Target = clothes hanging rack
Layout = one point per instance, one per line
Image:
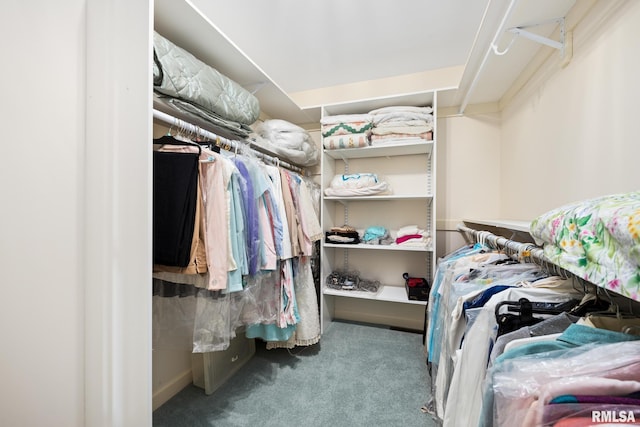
(528, 252)
(223, 143)
(522, 252)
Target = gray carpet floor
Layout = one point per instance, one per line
(358, 375)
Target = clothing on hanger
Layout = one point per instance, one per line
(175, 200)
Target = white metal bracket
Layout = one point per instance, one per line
(520, 31)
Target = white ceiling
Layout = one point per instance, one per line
(289, 50)
(311, 44)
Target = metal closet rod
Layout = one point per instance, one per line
(488, 52)
(523, 252)
(233, 145)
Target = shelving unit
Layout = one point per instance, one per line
(387, 293)
(380, 247)
(410, 171)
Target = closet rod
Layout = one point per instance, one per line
(487, 54)
(525, 252)
(233, 145)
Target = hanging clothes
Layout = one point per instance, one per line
(252, 216)
(175, 189)
(484, 375)
(216, 223)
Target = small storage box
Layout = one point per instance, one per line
(211, 370)
(417, 288)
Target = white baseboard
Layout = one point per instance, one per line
(171, 388)
(392, 314)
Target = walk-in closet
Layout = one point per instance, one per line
(375, 213)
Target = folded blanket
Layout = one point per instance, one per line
(400, 138)
(225, 128)
(345, 118)
(346, 141)
(421, 242)
(346, 128)
(378, 119)
(412, 235)
(408, 130)
(402, 109)
(408, 230)
(400, 122)
(408, 237)
(388, 140)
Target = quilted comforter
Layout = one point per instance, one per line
(179, 74)
(596, 239)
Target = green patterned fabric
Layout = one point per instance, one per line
(596, 239)
(346, 128)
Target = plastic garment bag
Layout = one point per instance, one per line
(174, 307)
(464, 400)
(523, 387)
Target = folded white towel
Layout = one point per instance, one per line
(378, 119)
(345, 118)
(403, 109)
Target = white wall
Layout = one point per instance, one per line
(75, 225)
(41, 169)
(575, 136)
(468, 168)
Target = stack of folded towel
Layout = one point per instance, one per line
(397, 125)
(346, 131)
(357, 184)
(413, 236)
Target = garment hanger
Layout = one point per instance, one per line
(527, 307)
(613, 310)
(591, 301)
(631, 330)
(169, 139)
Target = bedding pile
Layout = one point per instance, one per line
(346, 131)
(401, 124)
(596, 239)
(357, 184)
(197, 88)
(287, 140)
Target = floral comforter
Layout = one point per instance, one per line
(597, 239)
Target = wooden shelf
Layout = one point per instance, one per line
(385, 293)
(379, 247)
(425, 147)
